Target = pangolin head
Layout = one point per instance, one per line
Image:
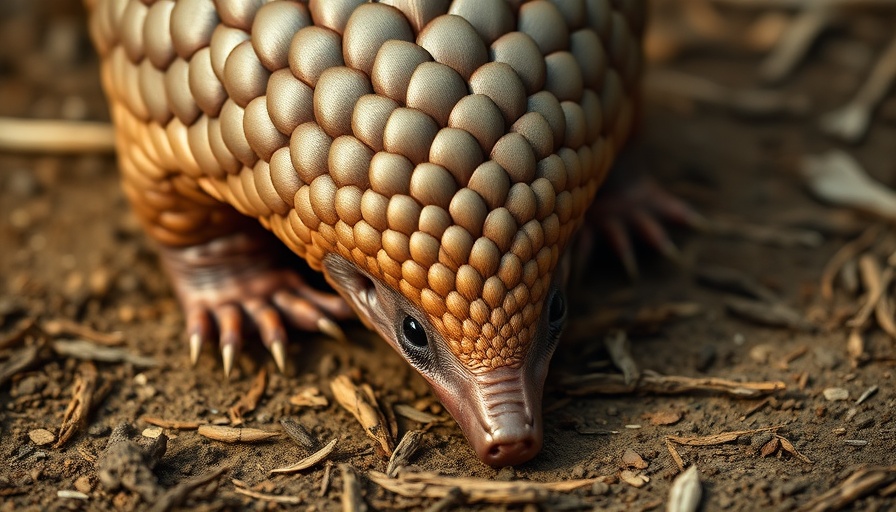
(441, 156)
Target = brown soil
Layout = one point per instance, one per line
(69, 248)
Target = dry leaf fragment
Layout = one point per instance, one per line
(352, 499)
(298, 433)
(361, 402)
(788, 447)
(836, 177)
(236, 435)
(686, 492)
(770, 448)
(249, 401)
(309, 461)
(309, 396)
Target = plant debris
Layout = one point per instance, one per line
(249, 401)
(236, 435)
(476, 490)
(312, 460)
(651, 382)
(361, 402)
(406, 449)
(686, 492)
(86, 396)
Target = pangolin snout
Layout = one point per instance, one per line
(515, 441)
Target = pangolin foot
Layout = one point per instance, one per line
(238, 284)
(640, 205)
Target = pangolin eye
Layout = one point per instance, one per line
(557, 311)
(414, 332)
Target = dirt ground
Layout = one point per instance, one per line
(71, 250)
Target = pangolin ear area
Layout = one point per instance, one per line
(360, 290)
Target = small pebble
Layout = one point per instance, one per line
(41, 436)
(152, 432)
(83, 484)
(506, 474)
(77, 495)
(834, 394)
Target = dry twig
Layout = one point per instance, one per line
(476, 490)
(235, 435)
(651, 382)
(249, 401)
(66, 327)
(55, 136)
(175, 497)
(406, 449)
(352, 499)
(173, 424)
(862, 482)
(85, 396)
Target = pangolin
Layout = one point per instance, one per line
(432, 158)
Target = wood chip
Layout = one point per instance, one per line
(89, 351)
(361, 402)
(310, 461)
(651, 382)
(406, 449)
(686, 492)
(875, 282)
(172, 424)
(249, 401)
(236, 435)
(309, 396)
(476, 490)
(352, 498)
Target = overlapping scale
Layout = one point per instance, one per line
(449, 148)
